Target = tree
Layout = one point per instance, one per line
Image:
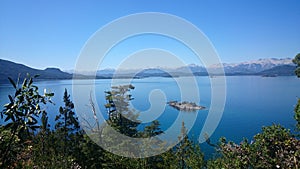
(121, 117)
(20, 115)
(274, 147)
(125, 120)
(59, 148)
(296, 60)
(67, 131)
(91, 155)
(148, 135)
(297, 115)
(43, 146)
(187, 153)
(152, 130)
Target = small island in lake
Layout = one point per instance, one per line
(186, 106)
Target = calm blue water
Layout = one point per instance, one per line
(251, 102)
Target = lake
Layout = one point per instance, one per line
(251, 102)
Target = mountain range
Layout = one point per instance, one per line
(255, 66)
(261, 67)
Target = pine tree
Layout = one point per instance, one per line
(148, 135)
(187, 153)
(67, 131)
(121, 117)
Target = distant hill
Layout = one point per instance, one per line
(261, 67)
(15, 70)
(283, 70)
(152, 73)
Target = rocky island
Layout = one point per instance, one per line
(185, 106)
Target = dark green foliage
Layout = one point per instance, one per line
(124, 120)
(10, 146)
(26, 140)
(59, 148)
(297, 114)
(66, 120)
(187, 153)
(67, 134)
(278, 147)
(275, 147)
(152, 130)
(89, 154)
(21, 117)
(24, 108)
(121, 117)
(296, 60)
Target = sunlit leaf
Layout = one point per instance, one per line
(24, 83)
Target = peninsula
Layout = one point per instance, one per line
(185, 106)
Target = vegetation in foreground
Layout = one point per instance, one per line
(27, 141)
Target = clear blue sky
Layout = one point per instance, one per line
(51, 33)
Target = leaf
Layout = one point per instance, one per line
(49, 94)
(17, 92)
(12, 82)
(7, 118)
(57, 117)
(35, 87)
(30, 82)
(107, 105)
(10, 98)
(32, 121)
(108, 92)
(24, 83)
(61, 110)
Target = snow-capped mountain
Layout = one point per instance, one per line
(190, 68)
(242, 68)
(253, 66)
